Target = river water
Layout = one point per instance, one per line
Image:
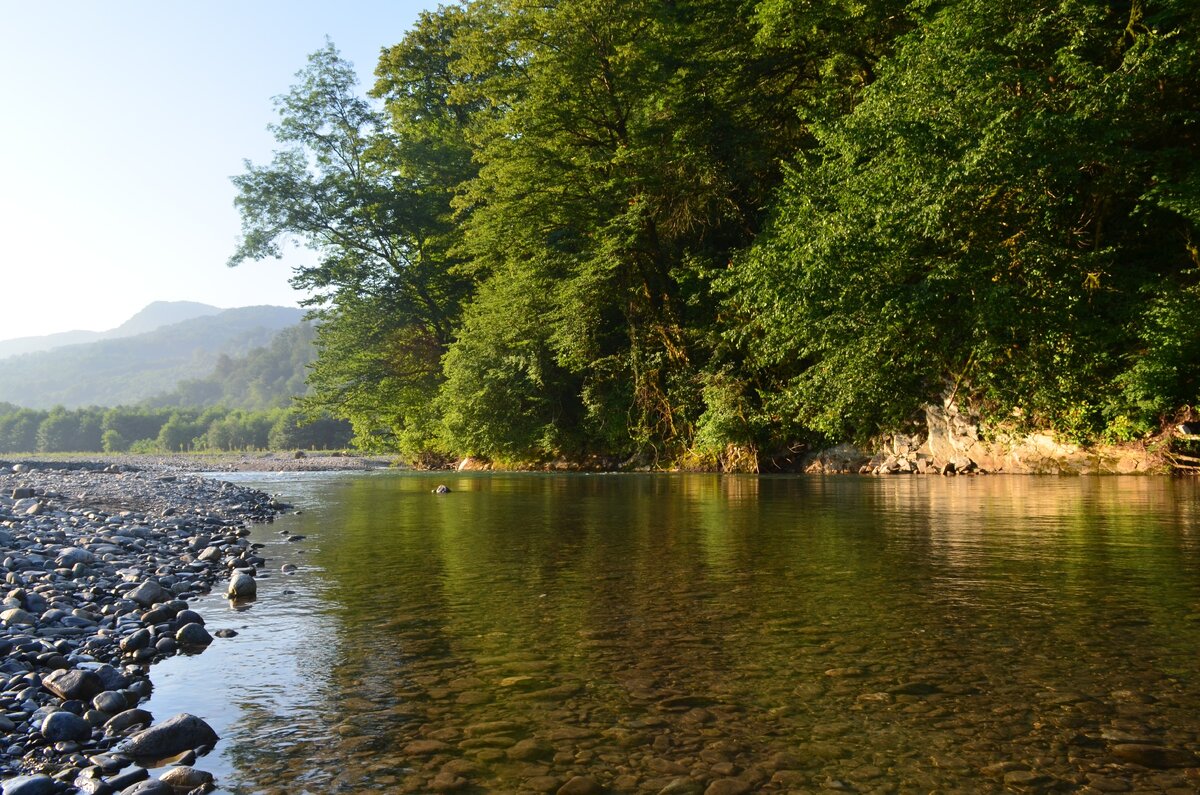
(684, 633)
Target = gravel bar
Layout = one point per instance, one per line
(99, 562)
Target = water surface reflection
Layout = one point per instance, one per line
(772, 634)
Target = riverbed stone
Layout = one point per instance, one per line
(151, 786)
(173, 736)
(193, 635)
(445, 781)
(136, 640)
(30, 785)
(88, 784)
(727, 786)
(187, 616)
(241, 586)
(123, 721)
(580, 785)
(425, 747)
(530, 750)
(147, 593)
(16, 616)
(129, 778)
(1154, 756)
(69, 557)
(71, 684)
(63, 726)
(186, 778)
(111, 701)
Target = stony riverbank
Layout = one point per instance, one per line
(99, 561)
(295, 461)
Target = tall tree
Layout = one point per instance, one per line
(345, 187)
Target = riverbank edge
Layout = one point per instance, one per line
(1029, 454)
(100, 561)
(945, 447)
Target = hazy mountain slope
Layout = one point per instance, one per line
(160, 314)
(130, 369)
(153, 316)
(264, 378)
(20, 345)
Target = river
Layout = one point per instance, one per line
(692, 633)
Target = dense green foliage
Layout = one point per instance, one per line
(706, 230)
(1009, 214)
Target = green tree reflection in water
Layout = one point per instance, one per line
(525, 628)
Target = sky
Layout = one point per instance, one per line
(121, 123)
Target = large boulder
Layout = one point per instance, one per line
(173, 736)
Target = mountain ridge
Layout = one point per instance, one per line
(129, 369)
(154, 315)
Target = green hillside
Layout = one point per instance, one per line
(264, 378)
(132, 369)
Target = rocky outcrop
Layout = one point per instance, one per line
(954, 442)
(952, 436)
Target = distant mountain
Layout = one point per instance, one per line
(159, 314)
(19, 345)
(129, 369)
(156, 315)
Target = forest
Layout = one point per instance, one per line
(708, 232)
(245, 403)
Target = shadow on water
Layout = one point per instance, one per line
(788, 633)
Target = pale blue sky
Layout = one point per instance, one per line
(122, 123)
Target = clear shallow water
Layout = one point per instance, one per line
(795, 634)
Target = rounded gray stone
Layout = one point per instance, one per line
(183, 732)
(111, 701)
(193, 635)
(65, 727)
(30, 785)
(241, 586)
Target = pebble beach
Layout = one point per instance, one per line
(100, 561)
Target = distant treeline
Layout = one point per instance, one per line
(705, 230)
(147, 430)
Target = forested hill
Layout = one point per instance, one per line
(131, 369)
(708, 230)
(264, 378)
